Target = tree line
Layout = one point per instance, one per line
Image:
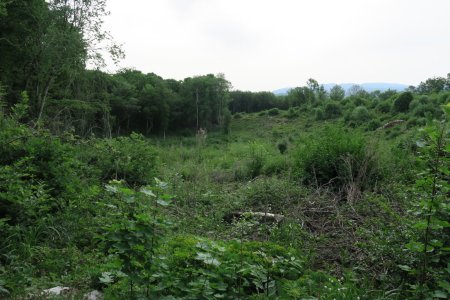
(45, 47)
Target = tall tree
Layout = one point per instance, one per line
(337, 93)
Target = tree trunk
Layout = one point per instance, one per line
(42, 99)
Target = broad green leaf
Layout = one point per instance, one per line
(106, 277)
(415, 246)
(148, 192)
(405, 268)
(111, 189)
(440, 295)
(445, 285)
(162, 202)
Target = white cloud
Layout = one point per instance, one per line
(268, 44)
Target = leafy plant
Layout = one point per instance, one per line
(340, 159)
(136, 234)
(432, 208)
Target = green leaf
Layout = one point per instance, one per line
(163, 185)
(440, 295)
(147, 192)
(421, 225)
(107, 277)
(207, 259)
(415, 246)
(444, 284)
(405, 268)
(162, 202)
(111, 189)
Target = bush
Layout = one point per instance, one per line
(282, 147)
(256, 160)
(275, 165)
(237, 116)
(273, 112)
(360, 115)
(262, 113)
(332, 110)
(292, 113)
(125, 158)
(337, 158)
(271, 194)
(373, 124)
(319, 113)
(421, 110)
(384, 107)
(401, 103)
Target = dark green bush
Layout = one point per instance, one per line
(271, 194)
(332, 110)
(131, 159)
(336, 157)
(237, 116)
(360, 115)
(421, 110)
(319, 113)
(282, 147)
(384, 106)
(373, 124)
(273, 112)
(292, 113)
(401, 103)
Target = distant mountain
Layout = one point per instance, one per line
(369, 87)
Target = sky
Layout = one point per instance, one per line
(263, 45)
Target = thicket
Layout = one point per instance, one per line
(358, 183)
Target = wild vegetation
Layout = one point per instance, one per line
(147, 188)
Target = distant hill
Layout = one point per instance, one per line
(369, 87)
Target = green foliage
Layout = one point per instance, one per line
(282, 147)
(360, 115)
(131, 159)
(256, 160)
(292, 113)
(337, 93)
(338, 158)
(402, 102)
(318, 285)
(319, 113)
(272, 195)
(237, 116)
(273, 112)
(137, 232)
(430, 247)
(332, 110)
(203, 269)
(227, 121)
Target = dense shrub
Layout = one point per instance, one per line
(401, 103)
(319, 113)
(276, 165)
(282, 147)
(332, 110)
(292, 113)
(270, 194)
(422, 110)
(273, 112)
(337, 158)
(237, 116)
(384, 106)
(131, 159)
(360, 114)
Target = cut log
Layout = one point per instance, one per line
(265, 217)
(391, 124)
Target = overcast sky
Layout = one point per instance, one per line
(271, 44)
